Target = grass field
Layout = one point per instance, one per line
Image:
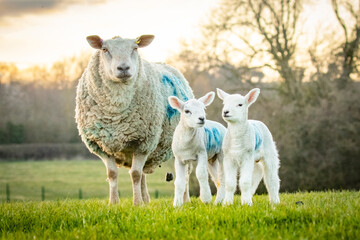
(63, 179)
(323, 215)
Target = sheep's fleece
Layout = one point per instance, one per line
(117, 119)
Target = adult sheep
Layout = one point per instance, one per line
(122, 112)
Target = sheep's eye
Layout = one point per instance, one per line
(239, 105)
(135, 48)
(187, 112)
(105, 50)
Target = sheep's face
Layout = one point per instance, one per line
(120, 56)
(193, 111)
(236, 106)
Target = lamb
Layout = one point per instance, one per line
(249, 148)
(122, 112)
(200, 140)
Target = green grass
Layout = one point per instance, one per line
(323, 215)
(62, 179)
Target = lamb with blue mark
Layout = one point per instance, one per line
(197, 140)
(249, 148)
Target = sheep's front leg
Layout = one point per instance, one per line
(245, 182)
(112, 178)
(180, 183)
(144, 191)
(136, 172)
(203, 178)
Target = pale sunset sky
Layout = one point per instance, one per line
(44, 31)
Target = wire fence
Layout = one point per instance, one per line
(43, 193)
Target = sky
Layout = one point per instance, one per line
(44, 31)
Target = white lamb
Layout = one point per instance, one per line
(248, 147)
(200, 140)
(122, 111)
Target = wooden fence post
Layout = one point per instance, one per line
(7, 192)
(42, 193)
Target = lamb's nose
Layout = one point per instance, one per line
(226, 112)
(123, 68)
(201, 119)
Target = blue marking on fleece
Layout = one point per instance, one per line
(214, 140)
(258, 138)
(178, 89)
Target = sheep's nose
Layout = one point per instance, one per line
(201, 119)
(226, 112)
(123, 68)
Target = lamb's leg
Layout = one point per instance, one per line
(187, 177)
(271, 177)
(144, 191)
(220, 180)
(180, 182)
(245, 182)
(135, 172)
(257, 176)
(203, 178)
(230, 172)
(112, 178)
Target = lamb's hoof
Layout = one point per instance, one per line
(206, 199)
(177, 203)
(246, 202)
(228, 201)
(218, 202)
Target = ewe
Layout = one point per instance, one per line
(248, 147)
(200, 140)
(122, 111)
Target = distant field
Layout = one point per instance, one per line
(323, 215)
(63, 179)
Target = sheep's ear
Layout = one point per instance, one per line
(94, 41)
(207, 99)
(176, 103)
(144, 40)
(252, 96)
(221, 94)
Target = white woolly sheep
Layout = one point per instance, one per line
(248, 147)
(122, 111)
(200, 140)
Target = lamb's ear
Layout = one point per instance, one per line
(221, 94)
(176, 103)
(207, 99)
(144, 40)
(252, 96)
(94, 41)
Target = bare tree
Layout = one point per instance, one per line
(350, 48)
(253, 32)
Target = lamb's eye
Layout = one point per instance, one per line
(187, 112)
(135, 48)
(105, 50)
(239, 105)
